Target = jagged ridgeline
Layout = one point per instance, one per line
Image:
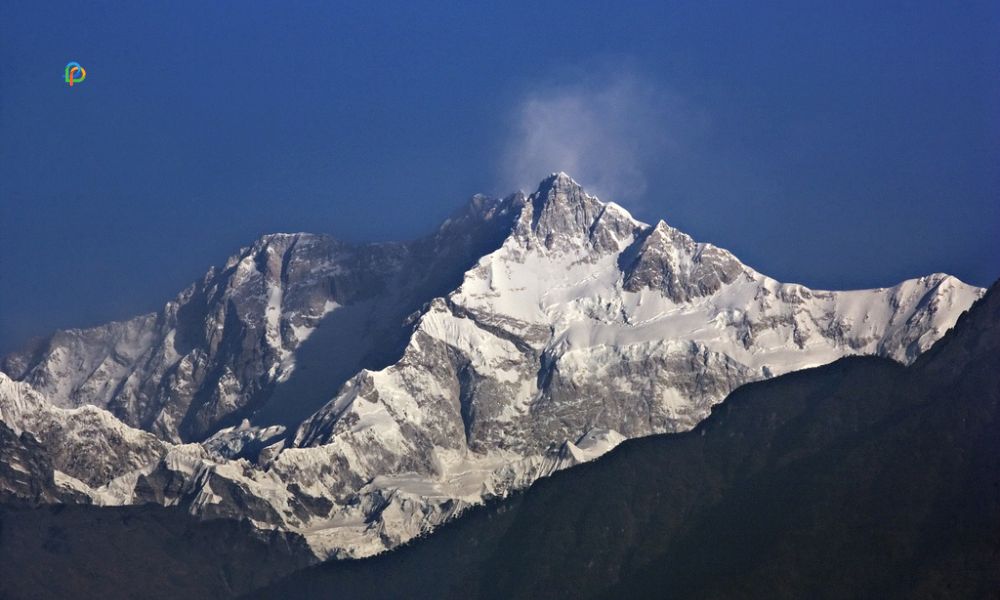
(360, 395)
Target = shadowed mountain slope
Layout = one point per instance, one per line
(148, 552)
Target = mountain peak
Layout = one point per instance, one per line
(558, 184)
(561, 215)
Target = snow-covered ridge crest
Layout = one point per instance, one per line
(362, 394)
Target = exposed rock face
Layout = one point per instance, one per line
(220, 350)
(362, 394)
(669, 260)
(26, 474)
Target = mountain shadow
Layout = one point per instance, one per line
(137, 552)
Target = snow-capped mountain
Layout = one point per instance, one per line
(360, 395)
(840, 481)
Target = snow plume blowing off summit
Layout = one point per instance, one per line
(611, 126)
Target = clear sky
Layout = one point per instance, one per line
(835, 144)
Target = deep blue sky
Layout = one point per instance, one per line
(840, 146)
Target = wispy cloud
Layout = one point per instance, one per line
(606, 129)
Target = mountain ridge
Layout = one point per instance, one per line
(363, 394)
(853, 479)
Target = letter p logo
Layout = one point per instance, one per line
(74, 73)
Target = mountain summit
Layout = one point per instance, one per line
(362, 394)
